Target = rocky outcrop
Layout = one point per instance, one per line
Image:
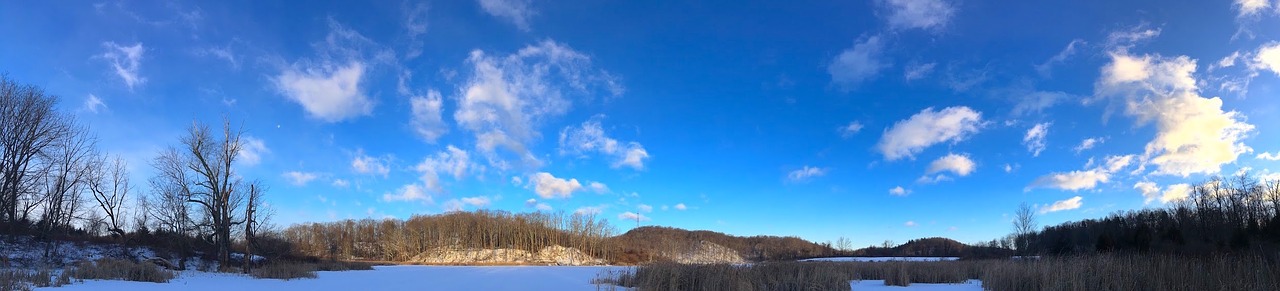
(552, 255)
(705, 252)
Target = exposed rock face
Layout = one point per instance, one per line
(552, 255)
(705, 252)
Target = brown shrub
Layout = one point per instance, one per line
(117, 269)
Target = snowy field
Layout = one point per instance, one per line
(881, 259)
(381, 278)
(428, 278)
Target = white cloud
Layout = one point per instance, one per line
(1267, 57)
(1071, 203)
(506, 97)
(1034, 139)
(1193, 133)
(1176, 192)
(1226, 62)
(1029, 101)
(805, 173)
(478, 202)
(899, 191)
(330, 86)
(340, 183)
(1073, 181)
(451, 161)
(858, 63)
(1248, 8)
(411, 192)
(1008, 168)
(598, 187)
(917, 71)
(365, 164)
(645, 208)
(910, 223)
(590, 137)
(1269, 156)
(125, 62)
(533, 203)
(327, 92)
(93, 104)
(1046, 69)
(590, 210)
(1089, 143)
(251, 150)
(908, 137)
(923, 14)
(849, 130)
(681, 206)
(517, 12)
(299, 178)
(1116, 163)
(1122, 40)
(548, 186)
(1085, 179)
(1151, 192)
(427, 121)
(631, 216)
(960, 164)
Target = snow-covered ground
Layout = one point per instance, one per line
(381, 278)
(881, 259)
(873, 285)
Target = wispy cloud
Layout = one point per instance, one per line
(125, 61)
(517, 12)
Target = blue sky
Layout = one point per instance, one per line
(873, 120)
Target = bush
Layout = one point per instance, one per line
(117, 269)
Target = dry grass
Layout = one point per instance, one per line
(19, 279)
(117, 269)
(1090, 272)
(305, 270)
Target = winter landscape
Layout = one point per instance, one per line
(640, 145)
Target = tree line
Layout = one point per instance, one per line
(400, 240)
(56, 183)
(1237, 213)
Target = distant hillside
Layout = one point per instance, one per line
(933, 247)
(653, 243)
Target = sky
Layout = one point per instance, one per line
(871, 120)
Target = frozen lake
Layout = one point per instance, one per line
(426, 278)
(881, 259)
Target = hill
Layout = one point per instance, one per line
(655, 243)
(934, 247)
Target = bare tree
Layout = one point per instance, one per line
(109, 184)
(69, 164)
(1024, 223)
(203, 171)
(29, 129)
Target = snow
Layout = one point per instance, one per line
(381, 278)
(881, 259)
(873, 285)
